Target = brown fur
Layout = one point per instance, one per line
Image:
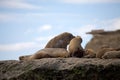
(60, 41)
(24, 57)
(89, 53)
(102, 51)
(75, 48)
(48, 53)
(111, 54)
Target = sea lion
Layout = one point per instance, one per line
(47, 53)
(75, 49)
(89, 53)
(103, 50)
(111, 54)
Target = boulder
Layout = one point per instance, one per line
(60, 41)
(103, 38)
(61, 69)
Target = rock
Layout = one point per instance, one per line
(61, 69)
(103, 38)
(60, 41)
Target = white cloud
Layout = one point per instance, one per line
(45, 28)
(12, 17)
(82, 30)
(112, 24)
(17, 4)
(89, 1)
(22, 17)
(5, 17)
(52, 14)
(18, 46)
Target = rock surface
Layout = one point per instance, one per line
(60, 41)
(103, 38)
(61, 69)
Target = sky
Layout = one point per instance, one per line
(27, 25)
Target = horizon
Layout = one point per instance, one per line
(27, 25)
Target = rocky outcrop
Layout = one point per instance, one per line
(103, 38)
(61, 69)
(60, 41)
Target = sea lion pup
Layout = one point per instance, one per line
(103, 50)
(75, 49)
(48, 53)
(111, 54)
(89, 53)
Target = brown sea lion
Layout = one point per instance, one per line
(75, 49)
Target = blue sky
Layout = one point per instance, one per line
(27, 25)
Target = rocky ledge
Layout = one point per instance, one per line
(103, 38)
(61, 69)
